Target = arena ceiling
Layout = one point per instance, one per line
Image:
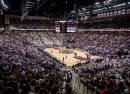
(47, 8)
(53, 8)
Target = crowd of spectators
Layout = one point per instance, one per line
(95, 43)
(26, 69)
(103, 44)
(108, 76)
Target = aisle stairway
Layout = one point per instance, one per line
(77, 86)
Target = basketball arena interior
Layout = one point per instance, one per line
(64, 46)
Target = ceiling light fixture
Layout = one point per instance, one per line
(97, 3)
(4, 4)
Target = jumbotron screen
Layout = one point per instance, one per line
(57, 28)
(66, 25)
(71, 27)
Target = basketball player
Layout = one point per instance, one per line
(66, 56)
(63, 59)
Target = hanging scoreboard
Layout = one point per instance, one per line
(66, 26)
(71, 26)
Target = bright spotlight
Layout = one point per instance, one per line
(3, 3)
(97, 3)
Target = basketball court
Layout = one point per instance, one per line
(70, 59)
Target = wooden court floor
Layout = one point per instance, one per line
(69, 59)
